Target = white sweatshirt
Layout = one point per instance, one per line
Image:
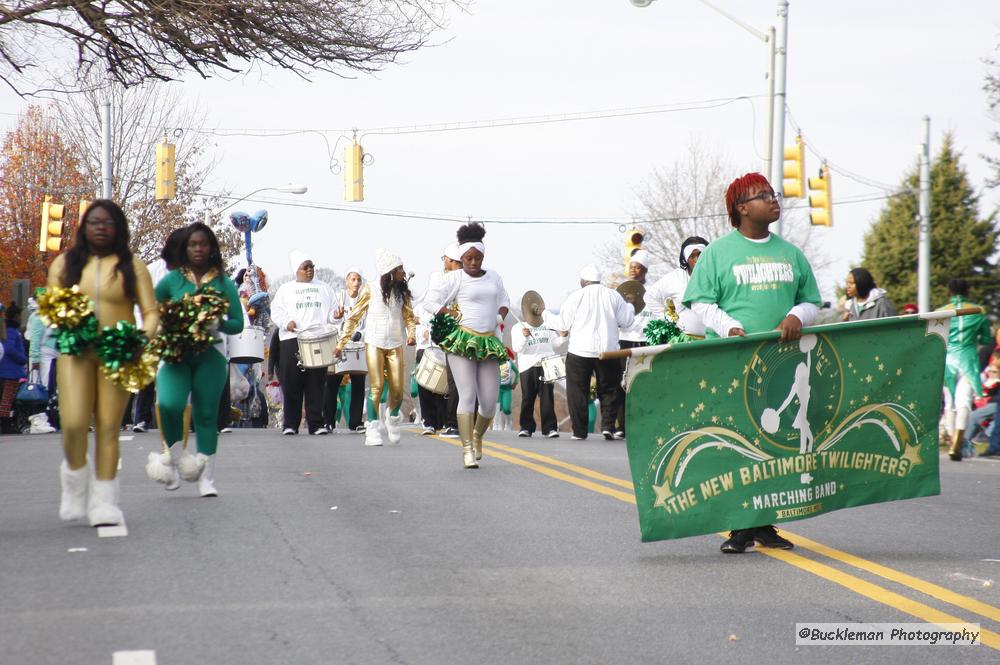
(531, 350)
(671, 287)
(479, 298)
(592, 315)
(309, 304)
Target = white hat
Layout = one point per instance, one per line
(641, 257)
(590, 273)
(296, 258)
(386, 261)
(451, 251)
(348, 272)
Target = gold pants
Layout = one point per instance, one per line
(85, 393)
(385, 364)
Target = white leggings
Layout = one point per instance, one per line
(476, 379)
(957, 410)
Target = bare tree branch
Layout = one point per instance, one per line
(132, 42)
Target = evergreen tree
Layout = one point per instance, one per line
(962, 242)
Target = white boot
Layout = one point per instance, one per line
(373, 433)
(103, 509)
(191, 466)
(40, 424)
(162, 467)
(73, 503)
(206, 484)
(392, 424)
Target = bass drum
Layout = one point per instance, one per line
(432, 372)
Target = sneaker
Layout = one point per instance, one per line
(320, 430)
(449, 433)
(577, 438)
(428, 431)
(553, 434)
(224, 430)
(140, 427)
(524, 434)
(288, 431)
(767, 536)
(738, 541)
(608, 435)
(620, 435)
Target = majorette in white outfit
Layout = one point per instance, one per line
(473, 348)
(389, 311)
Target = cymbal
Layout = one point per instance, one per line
(633, 292)
(532, 307)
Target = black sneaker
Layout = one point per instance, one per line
(767, 536)
(738, 541)
(608, 435)
(524, 434)
(449, 433)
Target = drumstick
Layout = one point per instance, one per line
(511, 312)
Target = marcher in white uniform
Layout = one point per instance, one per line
(345, 301)
(671, 288)
(298, 306)
(532, 340)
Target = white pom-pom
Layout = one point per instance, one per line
(158, 467)
(191, 466)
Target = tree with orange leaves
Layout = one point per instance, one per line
(35, 161)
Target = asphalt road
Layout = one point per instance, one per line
(320, 550)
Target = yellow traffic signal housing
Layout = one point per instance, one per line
(820, 199)
(794, 183)
(354, 173)
(633, 243)
(166, 185)
(50, 239)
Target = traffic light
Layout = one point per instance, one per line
(354, 173)
(50, 239)
(633, 243)
(794, 183)
(166, 186)
(820, 201)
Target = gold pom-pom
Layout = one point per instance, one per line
(64, 307)
(136, 375)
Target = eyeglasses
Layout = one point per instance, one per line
(100, 222)
(766, 197)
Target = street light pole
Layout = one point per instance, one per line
(287, 189)
(924, 215)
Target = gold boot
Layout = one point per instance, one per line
(479, 429)
(957, 441)
(187, 427)
(465, 432)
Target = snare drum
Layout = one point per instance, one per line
(316, 347)
(248, 346)
(553, 368)
(352, 360)
(432, 372)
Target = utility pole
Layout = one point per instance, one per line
(106, 174)
(781, 65)
(924, 220)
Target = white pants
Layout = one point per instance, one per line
(476, 380)
(957, 410)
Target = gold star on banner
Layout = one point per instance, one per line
(700, 407)
(876, 358)
(911, 406)
(729, 418)
(881, 367)
(868, 379)
(745, 505)
(865, 399)
(850, 365)
(842, 486)
(714, 390)
(660, 441)
(735, 384)
(851, 402)
(715, 419)
(912, 453)
(730, 391)
(702, 384)
(662, 494)
(899, 372)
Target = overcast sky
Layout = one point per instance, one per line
(861, 76)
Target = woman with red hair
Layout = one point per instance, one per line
(753, 281)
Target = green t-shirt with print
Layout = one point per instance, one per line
(756, 283)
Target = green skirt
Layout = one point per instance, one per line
(474, 345)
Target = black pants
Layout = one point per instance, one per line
(144, 401)
(578, 373)
(298, 383)
(225, 404)
(433, 407)
(354, 410)
(620, 392)
(532, 386)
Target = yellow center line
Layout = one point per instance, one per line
(856, 584)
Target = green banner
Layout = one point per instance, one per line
(741, 432)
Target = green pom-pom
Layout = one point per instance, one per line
(663, 331)
(187, 325)
(120, 345)
(442, 325)
(74, 341)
